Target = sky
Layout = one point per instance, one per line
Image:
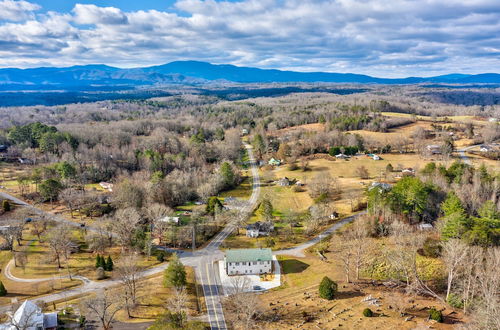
(384, 38)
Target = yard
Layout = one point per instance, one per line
(297, 300)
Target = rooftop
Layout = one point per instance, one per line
(238, 255)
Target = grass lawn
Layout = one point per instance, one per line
(243, 191)
(42, 265)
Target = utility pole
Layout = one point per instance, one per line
(193, 239)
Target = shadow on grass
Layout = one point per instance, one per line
(291, 266)
(349, 294)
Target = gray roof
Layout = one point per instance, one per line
(238, 255)
(50, 320)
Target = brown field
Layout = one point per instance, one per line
(315, 127)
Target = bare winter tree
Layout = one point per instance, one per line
(103, 305)
(323, 184)
(125, 223)
(454, 257)
(60, 242)
(357, 235)
(343, 249)
(487, 310)
(128, 270)
(243, 305)
(156, 213)
(177, 303)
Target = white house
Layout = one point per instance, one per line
(260, 229)
(434, 149)
(248, 261)
(30, 317)
(485, 148)
(170, 220)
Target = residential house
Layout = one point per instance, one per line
(408, 171)
(25, 161)
(260, 229)
(334, 215)
(434, 149)
(29, 316)
(485, 148)
(284, 182)
(167, 219)
(248, 261)
(381, 186)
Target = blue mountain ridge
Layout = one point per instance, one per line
(195, 72)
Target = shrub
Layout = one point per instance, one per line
(322, 198)
(293, 166)
(100, 273)
(298, 189)
(6, 205)
(432, 247)
(270, 242)
(327, 288)
(3, 290)
(455, 301)
(160, 255)
(367, 312)
(436, 315)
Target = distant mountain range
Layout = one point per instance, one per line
(194, 72)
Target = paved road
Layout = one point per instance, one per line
(298, 251)
(205, 270)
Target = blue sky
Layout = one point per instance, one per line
(125, 5)
(383, 38)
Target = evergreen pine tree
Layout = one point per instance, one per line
(327, 288)
(98, 261)
(3, 291)
(175, 274)
(109, 264)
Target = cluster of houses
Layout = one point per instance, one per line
(344, 156)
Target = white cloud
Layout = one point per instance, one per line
(11, 10)
(378, 37)
(91, 14)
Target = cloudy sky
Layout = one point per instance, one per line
(386, 38)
